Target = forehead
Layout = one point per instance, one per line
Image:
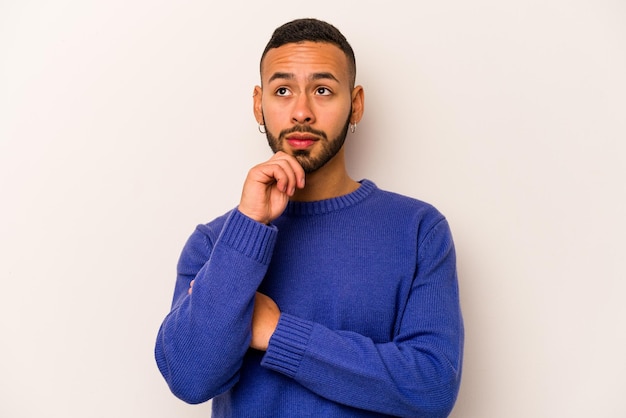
(305, 58)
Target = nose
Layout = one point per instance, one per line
(302, 111)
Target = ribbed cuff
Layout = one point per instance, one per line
(249, 237)
(287, 345)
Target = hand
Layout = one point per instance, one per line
(264, 321)
(269, 186)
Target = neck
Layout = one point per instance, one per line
(328, 182)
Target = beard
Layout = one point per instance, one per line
(311, 163)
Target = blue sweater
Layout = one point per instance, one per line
(370, 323)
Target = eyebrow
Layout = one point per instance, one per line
(312, 77)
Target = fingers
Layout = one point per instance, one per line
(285, 171)
(190, 287)
(298, 171)
(282, 170)
(269, 186)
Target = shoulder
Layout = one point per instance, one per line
(200, 244)
(431, 228)
(399, 205)
(212, 229)
(416, 217)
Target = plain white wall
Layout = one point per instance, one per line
(123, 124)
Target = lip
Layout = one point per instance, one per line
(301, 141)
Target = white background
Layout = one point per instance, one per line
(123, 124)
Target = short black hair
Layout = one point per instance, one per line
(312, 30)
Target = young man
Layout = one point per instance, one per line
(317, 295)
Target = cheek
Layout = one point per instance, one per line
(274, 114)
(334, 119)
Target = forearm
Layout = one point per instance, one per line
(202, 341)
(411, 378)
(199, 358)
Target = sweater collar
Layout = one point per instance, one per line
(320, 207)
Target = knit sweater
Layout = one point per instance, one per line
(370, 319)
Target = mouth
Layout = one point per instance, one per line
(300, 140)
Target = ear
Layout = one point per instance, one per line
(358, 104)
(257, 104)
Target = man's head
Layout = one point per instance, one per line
(307, 97)
(312, 30)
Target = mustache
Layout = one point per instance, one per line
(302, 129)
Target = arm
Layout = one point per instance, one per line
(264, 319)
(416, 374)
(202, 342)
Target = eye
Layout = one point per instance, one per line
(323, 91)
(283, 91)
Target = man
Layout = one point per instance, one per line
(317, 295)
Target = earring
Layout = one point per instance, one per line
(353, 127)
(262, 128)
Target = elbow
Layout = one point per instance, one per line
(441, 397)
(441, 408)
(199, 391)
(195, 390)
(432, 394)
(186, 385)
(189, 394)
(439, 405)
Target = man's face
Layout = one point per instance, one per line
(305, 102)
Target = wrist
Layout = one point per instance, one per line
(251, 215)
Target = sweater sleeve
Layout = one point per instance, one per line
(416, 374)
(201, 343)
